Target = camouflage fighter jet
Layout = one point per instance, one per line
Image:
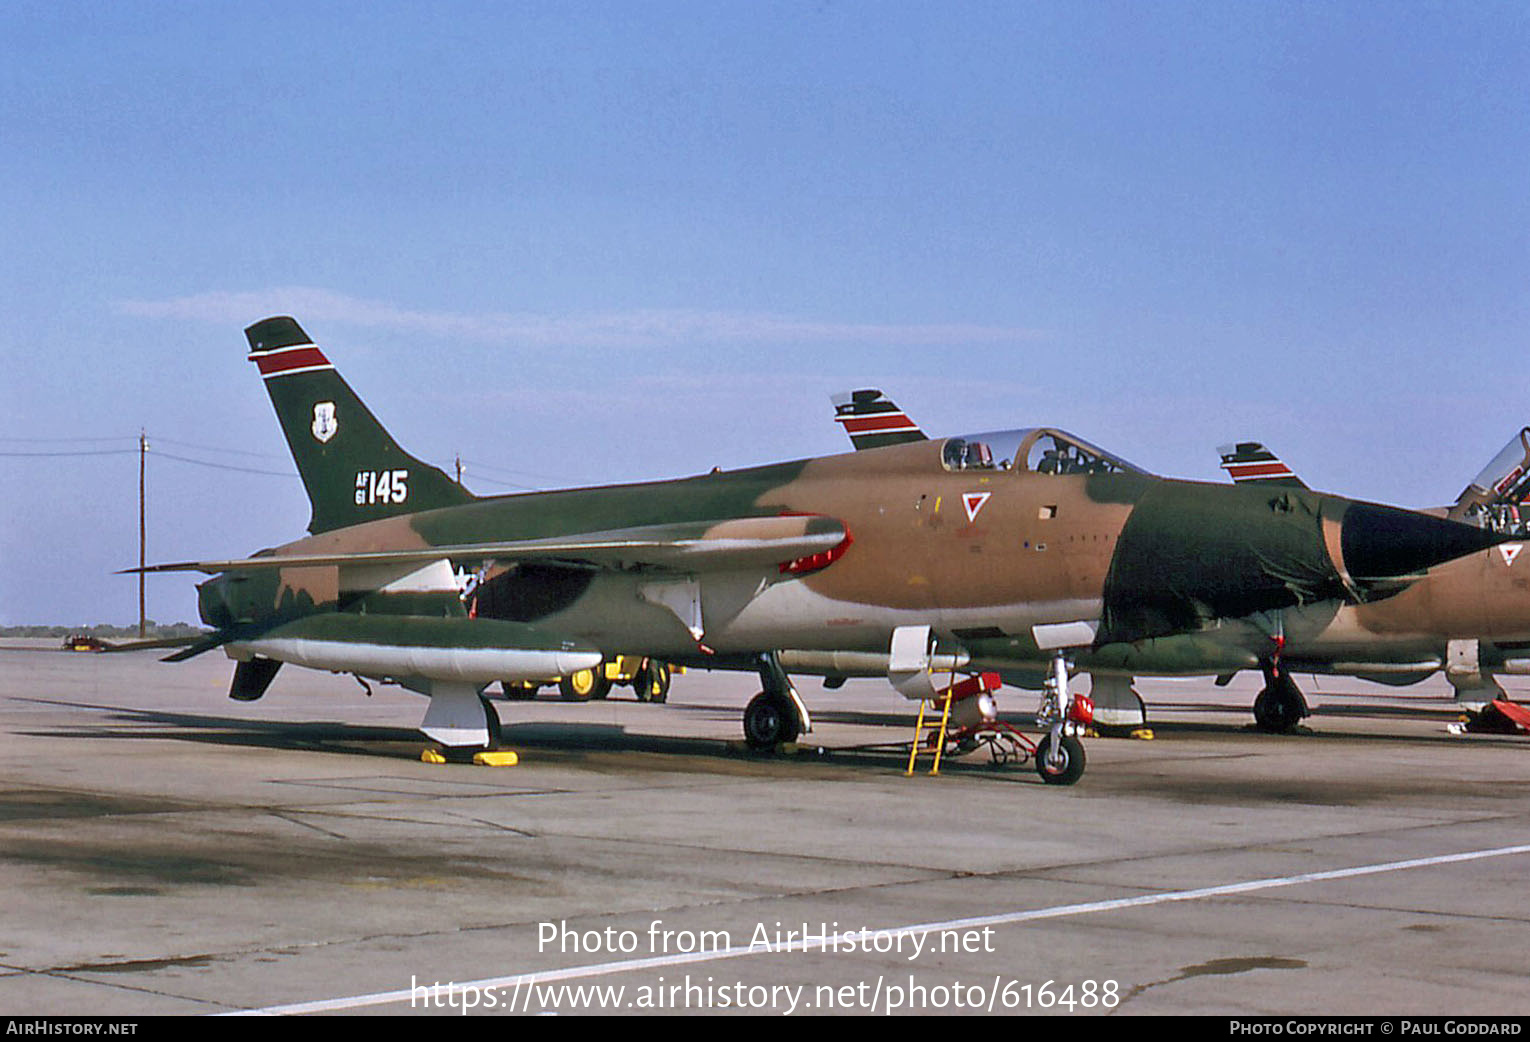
(1013, 550)
(1469, 617)
(1493, 593)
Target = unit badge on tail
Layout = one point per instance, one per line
(324, 423)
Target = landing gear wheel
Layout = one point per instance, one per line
(491, 721)
(585, 684)
(1072, 766)
(1276, 712)
(652, 681)
(769, 721)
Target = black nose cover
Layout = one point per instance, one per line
(1381, 542)
(1192, 553)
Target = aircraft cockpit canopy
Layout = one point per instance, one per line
(1497, 497)
(1508, 476)
(1040, 450)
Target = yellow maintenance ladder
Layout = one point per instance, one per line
(943, 703)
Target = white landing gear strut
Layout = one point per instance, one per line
(1060, 754)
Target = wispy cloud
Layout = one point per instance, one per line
(639, 328)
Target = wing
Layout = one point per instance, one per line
(794, 543)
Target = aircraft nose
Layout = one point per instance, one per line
(1189, 552)
(1382, 542)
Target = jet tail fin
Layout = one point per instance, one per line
(872, 420)
(352, 468)
(1249, 462)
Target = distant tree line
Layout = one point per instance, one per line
(153, 630)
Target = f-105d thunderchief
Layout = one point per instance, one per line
(1011, 551)
(1468, 618)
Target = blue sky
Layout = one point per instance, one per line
(588, 243)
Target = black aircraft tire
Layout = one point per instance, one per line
(1265, 716)
(1073, 760)
(519, 692)
(652, 682)
(1275, 714)
(769, 721)
(642, 682)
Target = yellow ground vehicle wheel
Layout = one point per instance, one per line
(585, 684)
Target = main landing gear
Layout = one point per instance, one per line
(776, 714)
(1280, 706)
(651, 681)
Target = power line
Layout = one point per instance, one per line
(504, 484)
(151, 452)
(94, 452)
(478, 465)
(214, 448)
(118, 437)
(137, 448)
(221, 466)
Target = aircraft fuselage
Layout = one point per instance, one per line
(1173, 576)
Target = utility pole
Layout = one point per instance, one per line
(459, 470)
(143, 452)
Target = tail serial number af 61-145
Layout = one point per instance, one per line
(923, 560)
